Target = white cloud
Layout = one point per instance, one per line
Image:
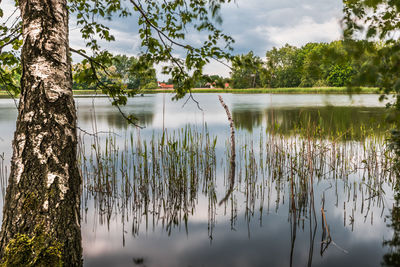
(127, 43)
(306, 31)
(217, 68)
(9, 9)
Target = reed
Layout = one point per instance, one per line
(160, 177)
(159, 181)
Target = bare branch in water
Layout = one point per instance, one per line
(233, 153)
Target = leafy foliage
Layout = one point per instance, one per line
(314, 64)
(283, 68)
(338, 75)
(246, 71)
(129, 72)
(162, 26)
(375, 20)
(10, 37)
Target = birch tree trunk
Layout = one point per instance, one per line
(43, 196)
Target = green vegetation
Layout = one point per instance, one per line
(129, 72)
(312, 68)
(293, 90)
(312, 65)
(375, 20)
(246, 71)
(160, 33)
(173, 167)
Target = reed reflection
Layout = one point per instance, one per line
(164, 181)
(303, 194)
(154, 181)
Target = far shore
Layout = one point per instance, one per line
(294, 90)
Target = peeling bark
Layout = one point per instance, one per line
(44, 185)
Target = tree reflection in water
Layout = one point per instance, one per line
(329, 119)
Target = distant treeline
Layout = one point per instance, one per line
(312, 65)
(334, 64)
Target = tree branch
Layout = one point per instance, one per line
(104, 86)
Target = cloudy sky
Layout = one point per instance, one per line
(256, 25)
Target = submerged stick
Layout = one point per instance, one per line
(325, 229)
(233, 153)
(326, 224)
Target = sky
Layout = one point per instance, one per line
(256, 25)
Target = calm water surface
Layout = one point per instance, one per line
(260, 224)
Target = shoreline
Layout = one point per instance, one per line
(294, 90)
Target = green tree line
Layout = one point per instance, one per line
(334, 64)
(312, 65)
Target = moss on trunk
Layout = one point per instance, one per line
(38, 250)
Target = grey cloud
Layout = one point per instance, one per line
(241, 20)
(256, 25)
(266, 245)
(244, 21)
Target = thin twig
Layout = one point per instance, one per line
(96, 133)
(91, 60)
(101, 84)
(194, 100)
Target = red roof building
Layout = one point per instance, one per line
(165, 86)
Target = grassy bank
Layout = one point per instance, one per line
(294, 90)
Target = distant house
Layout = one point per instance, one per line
(165, 86)
(210, 85)
(214, 84)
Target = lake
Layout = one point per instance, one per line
(311, 184)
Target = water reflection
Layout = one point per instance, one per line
(333, 113)
(170, 183)
(299, 198)
(248, 119)
(100, 109)
(330, 119)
